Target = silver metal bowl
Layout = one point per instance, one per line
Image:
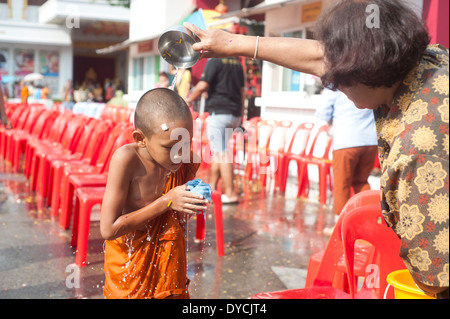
(175, 46)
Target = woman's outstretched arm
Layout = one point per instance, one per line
(297, 54)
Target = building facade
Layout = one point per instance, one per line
(58, 39)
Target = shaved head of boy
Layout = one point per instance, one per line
(157, 109)
(164, 127)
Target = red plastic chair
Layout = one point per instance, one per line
(367, 223)
(91, 175)
(124, 113)
(20, 125)
(322, 161)
(86, 199)
(295, 152)
(11, 107)
(216, 198)
(274, 152)
(239, 142)
(116, 114)
(44, 153)
(53, 136)
(108, 113)
(80, 141)
(328, 268)
(97, 138)
(10, 135)
(19, 141)
(322, 287)
(258, 143)
(363, 252)
(13, 118)
(200, 141)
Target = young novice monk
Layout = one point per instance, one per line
(146, 202)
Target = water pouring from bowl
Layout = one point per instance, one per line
(175, 46)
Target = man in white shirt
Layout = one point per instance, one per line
(354, 145)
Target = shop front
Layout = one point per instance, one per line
(43, 49)
(57, 39)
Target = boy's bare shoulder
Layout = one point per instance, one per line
(126, 154)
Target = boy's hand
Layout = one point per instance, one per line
(184, 201)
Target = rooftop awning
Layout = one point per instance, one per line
(58, 11)
(116, 47)
(34, 33)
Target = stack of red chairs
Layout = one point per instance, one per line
(53, 139)
(200, 142)
(83, 175)
(19, 125)
(45, 153)
(238, 143)
(116, 113)
(321, 160)
(89, 188)
(14, 115)
(63, 151)
(308, 154)
(274, 153)
(29, 117)
(93, 138)
(295, 152)
(258, 143)
(19, 141)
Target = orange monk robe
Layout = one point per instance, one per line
(150, 263)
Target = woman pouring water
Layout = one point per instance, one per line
(389, 67)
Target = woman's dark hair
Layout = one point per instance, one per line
(374, 52)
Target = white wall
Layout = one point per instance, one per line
(151, 18)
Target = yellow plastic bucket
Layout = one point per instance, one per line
(404, 285)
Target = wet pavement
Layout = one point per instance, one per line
(269, 239)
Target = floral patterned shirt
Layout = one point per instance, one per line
(413, 147)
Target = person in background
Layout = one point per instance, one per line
(98, 92)
(24, 93)
(67, 94)
(16, 89)
(4, 119)
(395, 71)
(163, 80)
(118, 99)
(38, 92)
(354, 146)
(109, 90)
(223, 79)
(45, 92)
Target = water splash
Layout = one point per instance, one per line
(129, 244)
(175, 79)
(148, 232)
